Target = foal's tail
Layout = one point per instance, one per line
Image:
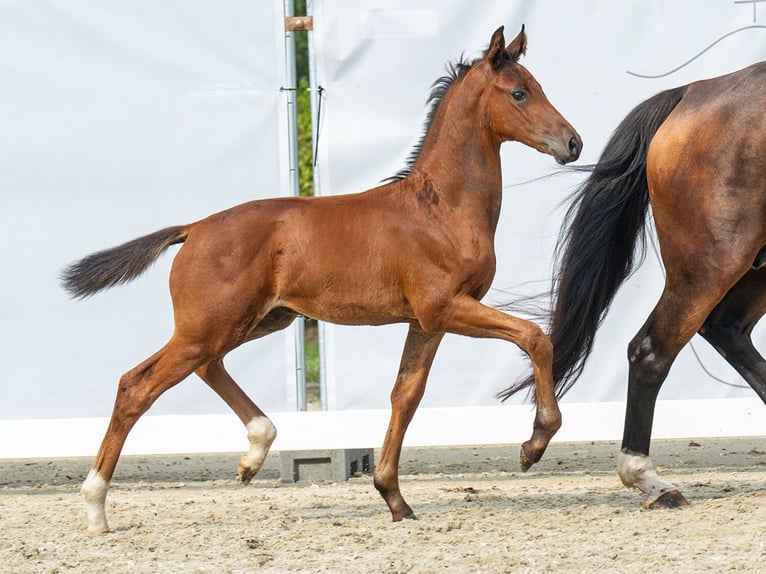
(596, 250)
(120, 264)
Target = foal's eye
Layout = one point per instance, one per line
(518, 95)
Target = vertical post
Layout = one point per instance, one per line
(316, 104)
(290, 89)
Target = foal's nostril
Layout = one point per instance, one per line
(574, 146)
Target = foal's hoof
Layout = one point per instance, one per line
(527, 460)
(524, 461)
(97, 530)
(398, 517)
(246, 474)
(668, 499)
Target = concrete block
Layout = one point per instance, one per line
(325, 465)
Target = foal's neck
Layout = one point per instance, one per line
(460, 154)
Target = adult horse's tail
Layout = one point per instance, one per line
(120, 264)
(596, 250)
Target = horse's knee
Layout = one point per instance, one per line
(537, 344)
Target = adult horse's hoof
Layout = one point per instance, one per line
(668, 499)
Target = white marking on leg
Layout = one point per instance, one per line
(637, 471)
(94, 491)
(261, 432)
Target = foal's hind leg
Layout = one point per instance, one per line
(419, 351)
(137, 391)
(729, 326)
(260, 430)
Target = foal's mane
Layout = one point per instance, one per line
(439, 89)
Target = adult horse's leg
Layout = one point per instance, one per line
(419, 351)
(137, 391)
(650, 355)
(729, 326)
(464, 315)
(260, 430)
(685, 303)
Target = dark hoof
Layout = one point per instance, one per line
(525, 461)
(411, 517)
(668, 499)
(245, 475)
(399, 517)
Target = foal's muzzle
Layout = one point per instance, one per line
(569, 153)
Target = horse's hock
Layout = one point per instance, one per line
(325, 465)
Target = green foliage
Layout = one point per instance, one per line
(305, 151)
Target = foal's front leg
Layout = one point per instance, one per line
(464, 315)
(419, 351)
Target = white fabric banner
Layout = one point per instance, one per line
(595, 61)
(118, 119)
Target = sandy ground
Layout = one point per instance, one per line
(477, 513)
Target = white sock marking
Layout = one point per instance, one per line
(637, 471)
(261, 432)
(94, 491)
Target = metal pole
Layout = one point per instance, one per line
(316, 103)
(290, 89)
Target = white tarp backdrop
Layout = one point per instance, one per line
(376, 62)
(118, 119)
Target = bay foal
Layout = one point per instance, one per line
(418, 250)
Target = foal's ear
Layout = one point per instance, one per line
(496, 51)
(518, 45)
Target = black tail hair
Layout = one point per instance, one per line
(119, 264)
(597, 246)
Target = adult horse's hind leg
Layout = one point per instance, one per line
(683, 307)
(419, 351)
(730, 324)
(260, 430)
(137, 391)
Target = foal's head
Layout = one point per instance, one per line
(515, 105)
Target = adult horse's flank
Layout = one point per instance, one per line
(698, 154)
(417, 250)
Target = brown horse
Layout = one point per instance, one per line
(698, 154)
(417, 250)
